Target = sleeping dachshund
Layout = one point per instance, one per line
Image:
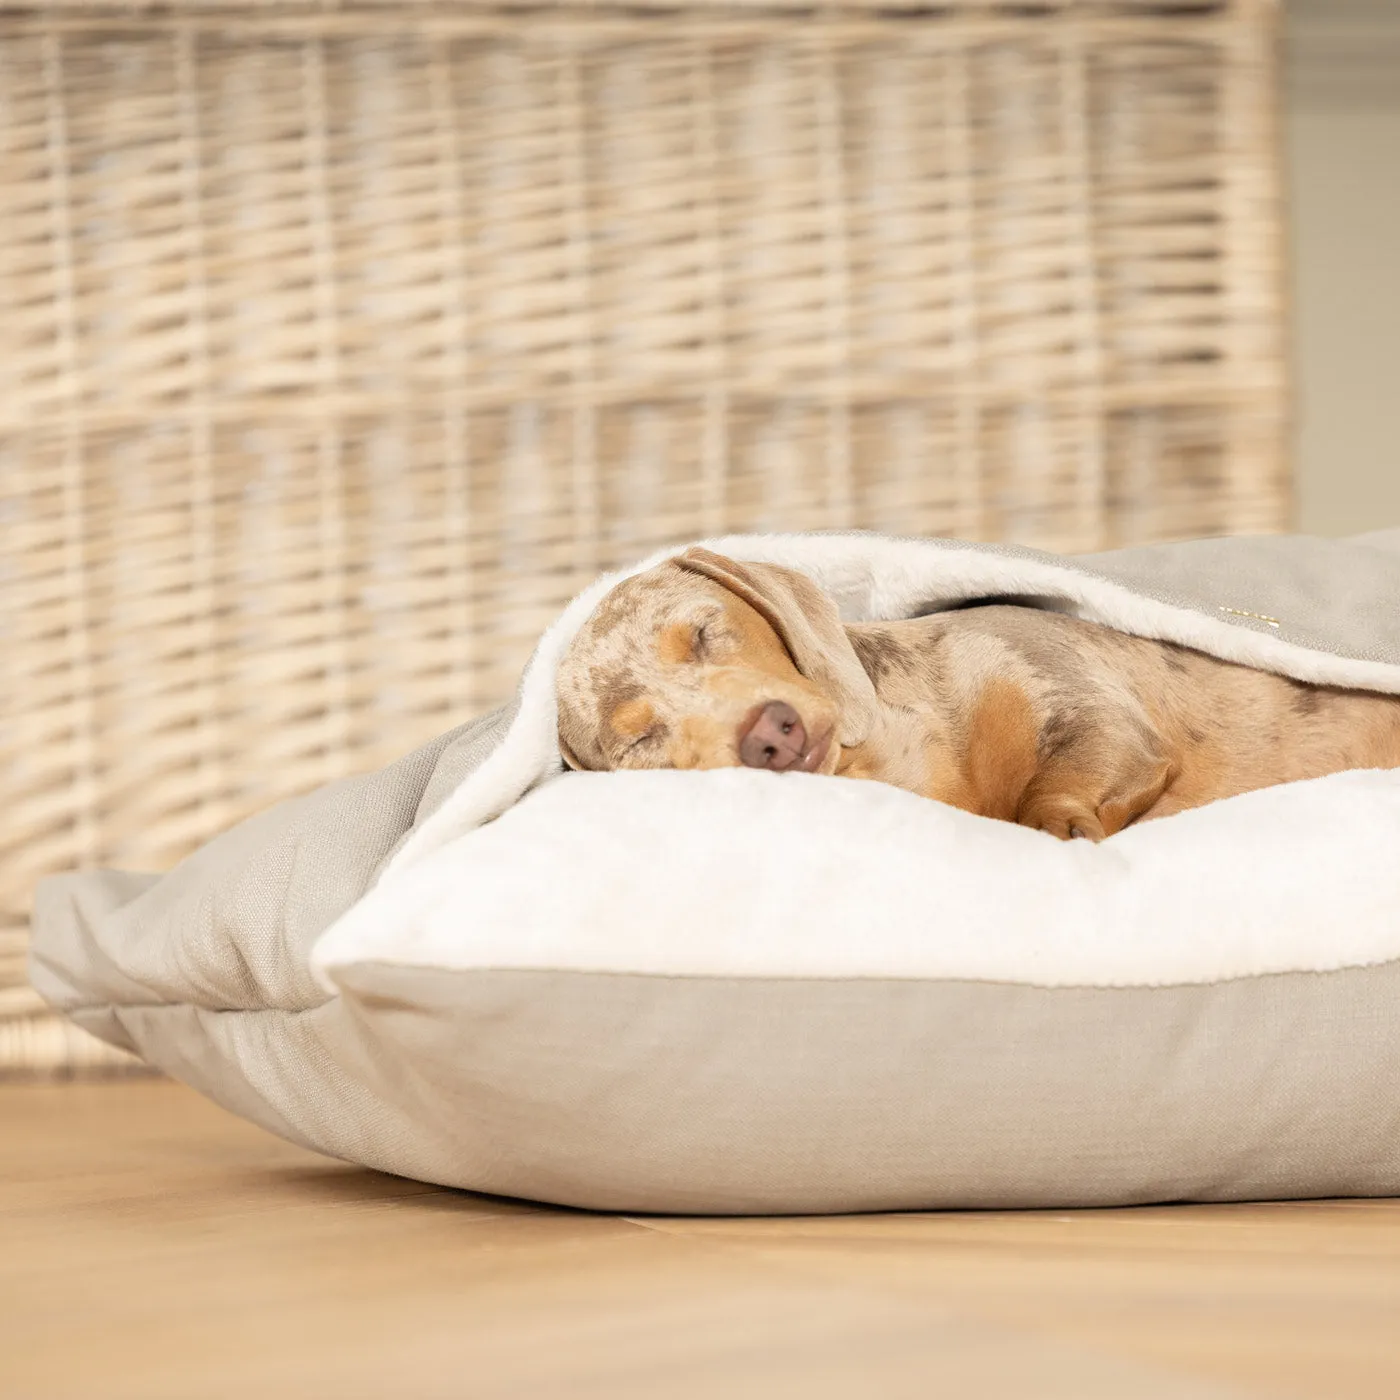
(1007, 711)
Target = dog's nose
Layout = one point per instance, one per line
(775, 739)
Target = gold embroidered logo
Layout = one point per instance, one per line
(1258, 617)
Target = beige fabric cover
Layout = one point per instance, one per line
(767, 1094)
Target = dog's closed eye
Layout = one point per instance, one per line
(686, 642)
(646, 749)
(708, 637)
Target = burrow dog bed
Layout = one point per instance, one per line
(603, 990)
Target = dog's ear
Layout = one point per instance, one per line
(807, 624)
(563, 720)
(567, 750)
(570, 758)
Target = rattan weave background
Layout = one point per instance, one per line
(339, 344)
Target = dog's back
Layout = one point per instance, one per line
(1223, 728)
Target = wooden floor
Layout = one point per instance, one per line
(152, 1246)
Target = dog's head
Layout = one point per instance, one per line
(706, 662)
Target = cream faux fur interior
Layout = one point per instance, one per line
(733, 873)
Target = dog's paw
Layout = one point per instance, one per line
(1066, 821)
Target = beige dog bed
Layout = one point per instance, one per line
(590, 991)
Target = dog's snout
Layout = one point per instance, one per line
(774, 739)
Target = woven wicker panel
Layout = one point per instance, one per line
(340, 346)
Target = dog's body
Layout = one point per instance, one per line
(1010, 712)
(1072, 727)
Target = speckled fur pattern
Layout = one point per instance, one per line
(1008, 711)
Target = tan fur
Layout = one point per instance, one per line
(1001, 748)
(632, 718)
(1009, 712)
(676, 644)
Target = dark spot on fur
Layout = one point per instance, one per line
(620, 605)
(1062, 730)
(1307, 700)
(1196, 736)
(878, 654)
(610, 613)
(611, 689)
(1172, 655)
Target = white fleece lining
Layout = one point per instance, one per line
(732, 873)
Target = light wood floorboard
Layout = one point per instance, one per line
(153, 1246)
